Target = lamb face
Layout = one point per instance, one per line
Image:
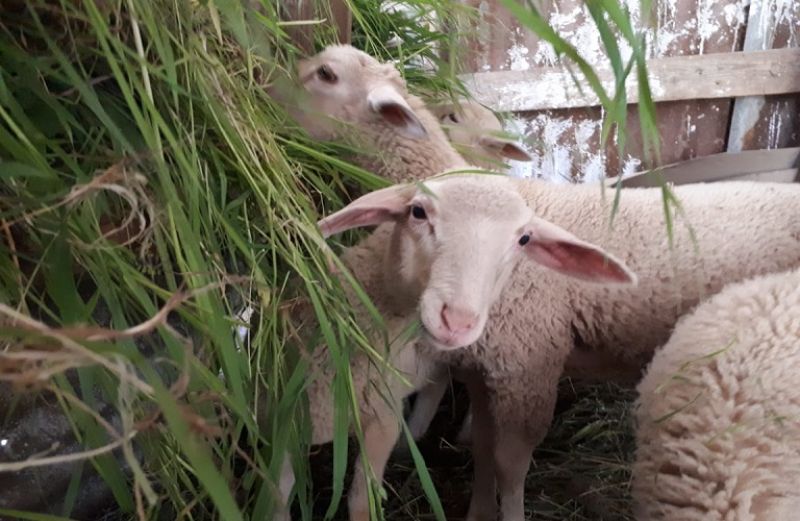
(478, 135)
(459, 237)
(342, 86)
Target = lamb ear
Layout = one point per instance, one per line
(389, 104)
(373, 208)
(505, 148)
(559, 250)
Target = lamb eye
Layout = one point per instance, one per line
(524, 239)
(418, 212)
(452, 117)
(326, 74)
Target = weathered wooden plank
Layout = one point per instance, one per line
(746, 111)
(778, 165)
(309, 14)
(765, 20)
(707, 76)
(342, 20)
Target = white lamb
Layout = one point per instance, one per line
(350, 96)
(396, 266)
(531, 341)
(380, 390)
(347, 94)
(718, 413)
(478, 135)
(477, 229)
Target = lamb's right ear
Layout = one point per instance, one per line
(373, 208)
(505, 148)
(553, 247)
(390, 105)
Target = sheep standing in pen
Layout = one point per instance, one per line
(379, 390)
(518, 351)
(396, 266)
(477, 134)
(347, 94)
(512, 372)
(718, 422)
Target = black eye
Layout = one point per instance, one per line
(452, 117)
(418, 212)
(326, 74)
(524, 239)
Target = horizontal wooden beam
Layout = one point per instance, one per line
(777, 165)
(705, 76)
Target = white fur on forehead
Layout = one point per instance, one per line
(481, 116)
(478, 194)
(473, 115)
(350, 56)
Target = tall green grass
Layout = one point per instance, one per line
(145, 169)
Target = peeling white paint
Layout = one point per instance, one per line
(667, 37)
(670, 36)
(556, 153)
(483, 30)
(630, 166)
(593, 170)
(771, 15)
(690, 127)
(518, 55)
(735, 17)
(775, 123)
(577, 28)
(711, 26)
(707, 22)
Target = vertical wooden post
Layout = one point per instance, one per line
(762, 25)
(342, 20)
(337, 13)
(301, 35)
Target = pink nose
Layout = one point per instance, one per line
(458, 320)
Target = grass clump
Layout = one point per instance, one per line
(154, 199)
(152, 192)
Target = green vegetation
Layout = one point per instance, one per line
(146, 174)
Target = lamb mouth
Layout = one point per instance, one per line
(428, 338)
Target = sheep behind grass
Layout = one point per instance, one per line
(347, 95)
(478, 135)
(405, 266)
(719, 410)
(521, 338)
(379, 389)
(350, 95)
(535, 324)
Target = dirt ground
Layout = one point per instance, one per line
(579, 473)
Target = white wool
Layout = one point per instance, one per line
(718, 413)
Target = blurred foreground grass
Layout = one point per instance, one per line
(145, 175)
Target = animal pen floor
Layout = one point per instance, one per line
(579, 473)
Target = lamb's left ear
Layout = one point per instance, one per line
(504, 148)
(373, 208)
(389, 104)
(555, 248)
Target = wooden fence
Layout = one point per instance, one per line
(725, 75)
